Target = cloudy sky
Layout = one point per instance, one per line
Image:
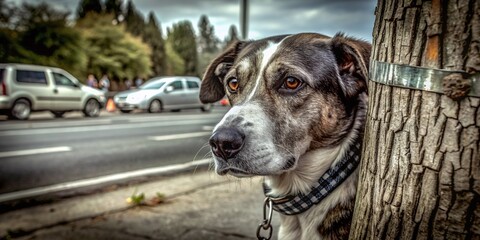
(266, 18)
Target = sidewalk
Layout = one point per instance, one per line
(198, 205)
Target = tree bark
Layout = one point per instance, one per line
(420, 171)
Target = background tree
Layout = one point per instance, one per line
(114, 7)
(113, 51)
(207, 44)
(8, 35)
(420, 170)
(6, 10)
(43, 37)
(134, 20)
(153, 37)
(232, 35)
(174, 62)
(207, 41)
(182, 38)
(86, 6)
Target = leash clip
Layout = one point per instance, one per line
(267, 220)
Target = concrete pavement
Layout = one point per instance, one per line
(197, 205)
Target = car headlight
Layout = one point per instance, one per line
(102, 98)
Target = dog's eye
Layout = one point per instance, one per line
(291, 83)
(232, 84)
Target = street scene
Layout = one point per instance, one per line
(239, 119)
(47, 151)
(83, 153)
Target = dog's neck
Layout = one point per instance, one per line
(313, 164)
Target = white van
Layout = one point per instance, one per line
(26, 88)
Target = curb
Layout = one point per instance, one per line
(24, 222)
(70, 188)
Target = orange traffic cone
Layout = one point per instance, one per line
(110, 106)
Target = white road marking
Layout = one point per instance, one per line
(208, 128)
(30, 125)
(100, 180)
(179, 136)
(34, 151)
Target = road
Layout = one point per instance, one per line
(45, 151)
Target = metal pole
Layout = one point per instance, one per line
(244, 6)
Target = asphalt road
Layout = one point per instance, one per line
(45, 151)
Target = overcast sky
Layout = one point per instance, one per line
(267, 17)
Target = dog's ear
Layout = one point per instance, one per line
(212, 88)
(353, 58)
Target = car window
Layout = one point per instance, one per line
(192, 84)
(177, 85)
(36, 77)
(152, 85)
(62, 80)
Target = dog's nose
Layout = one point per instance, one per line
(227, 142)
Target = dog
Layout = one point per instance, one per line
(298, 109)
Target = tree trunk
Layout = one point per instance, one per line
(420, 170)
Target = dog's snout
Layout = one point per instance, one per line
(227, 142)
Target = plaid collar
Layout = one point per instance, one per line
(332, 178)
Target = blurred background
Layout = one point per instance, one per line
(133, 68)
(130, 39)
(128, 43)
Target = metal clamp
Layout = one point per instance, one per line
(455, 84)
(267, 220)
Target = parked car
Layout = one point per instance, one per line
(162, 93)
(26, 88)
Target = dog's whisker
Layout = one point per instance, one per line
(199, 150)
(286, 150)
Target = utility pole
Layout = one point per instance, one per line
(244, 6)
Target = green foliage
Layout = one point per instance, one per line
(43, 38)
(134, 20)
(175, 62)
(204, 60)
(96, 43)
(207, 41)
(6, 10)
(182, 38)
(153, 37)
(232, 35)
(207, 44)
(111, 50)
(87, 6)
(114, 7)
(136, 198)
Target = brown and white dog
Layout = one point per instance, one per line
(299, 104)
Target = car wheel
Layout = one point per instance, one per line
(57, 114)
(21, 109)
(155, 106)
(125, 111)
(92, 108)
(207, 108)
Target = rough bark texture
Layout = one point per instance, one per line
(420, 171)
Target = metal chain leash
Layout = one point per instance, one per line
(266, 225)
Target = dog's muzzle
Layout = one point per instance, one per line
(227, 142)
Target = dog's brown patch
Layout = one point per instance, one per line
(336, 224)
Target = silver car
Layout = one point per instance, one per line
(162, 93)
(25, 88)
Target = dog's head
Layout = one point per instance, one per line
(290, 94)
